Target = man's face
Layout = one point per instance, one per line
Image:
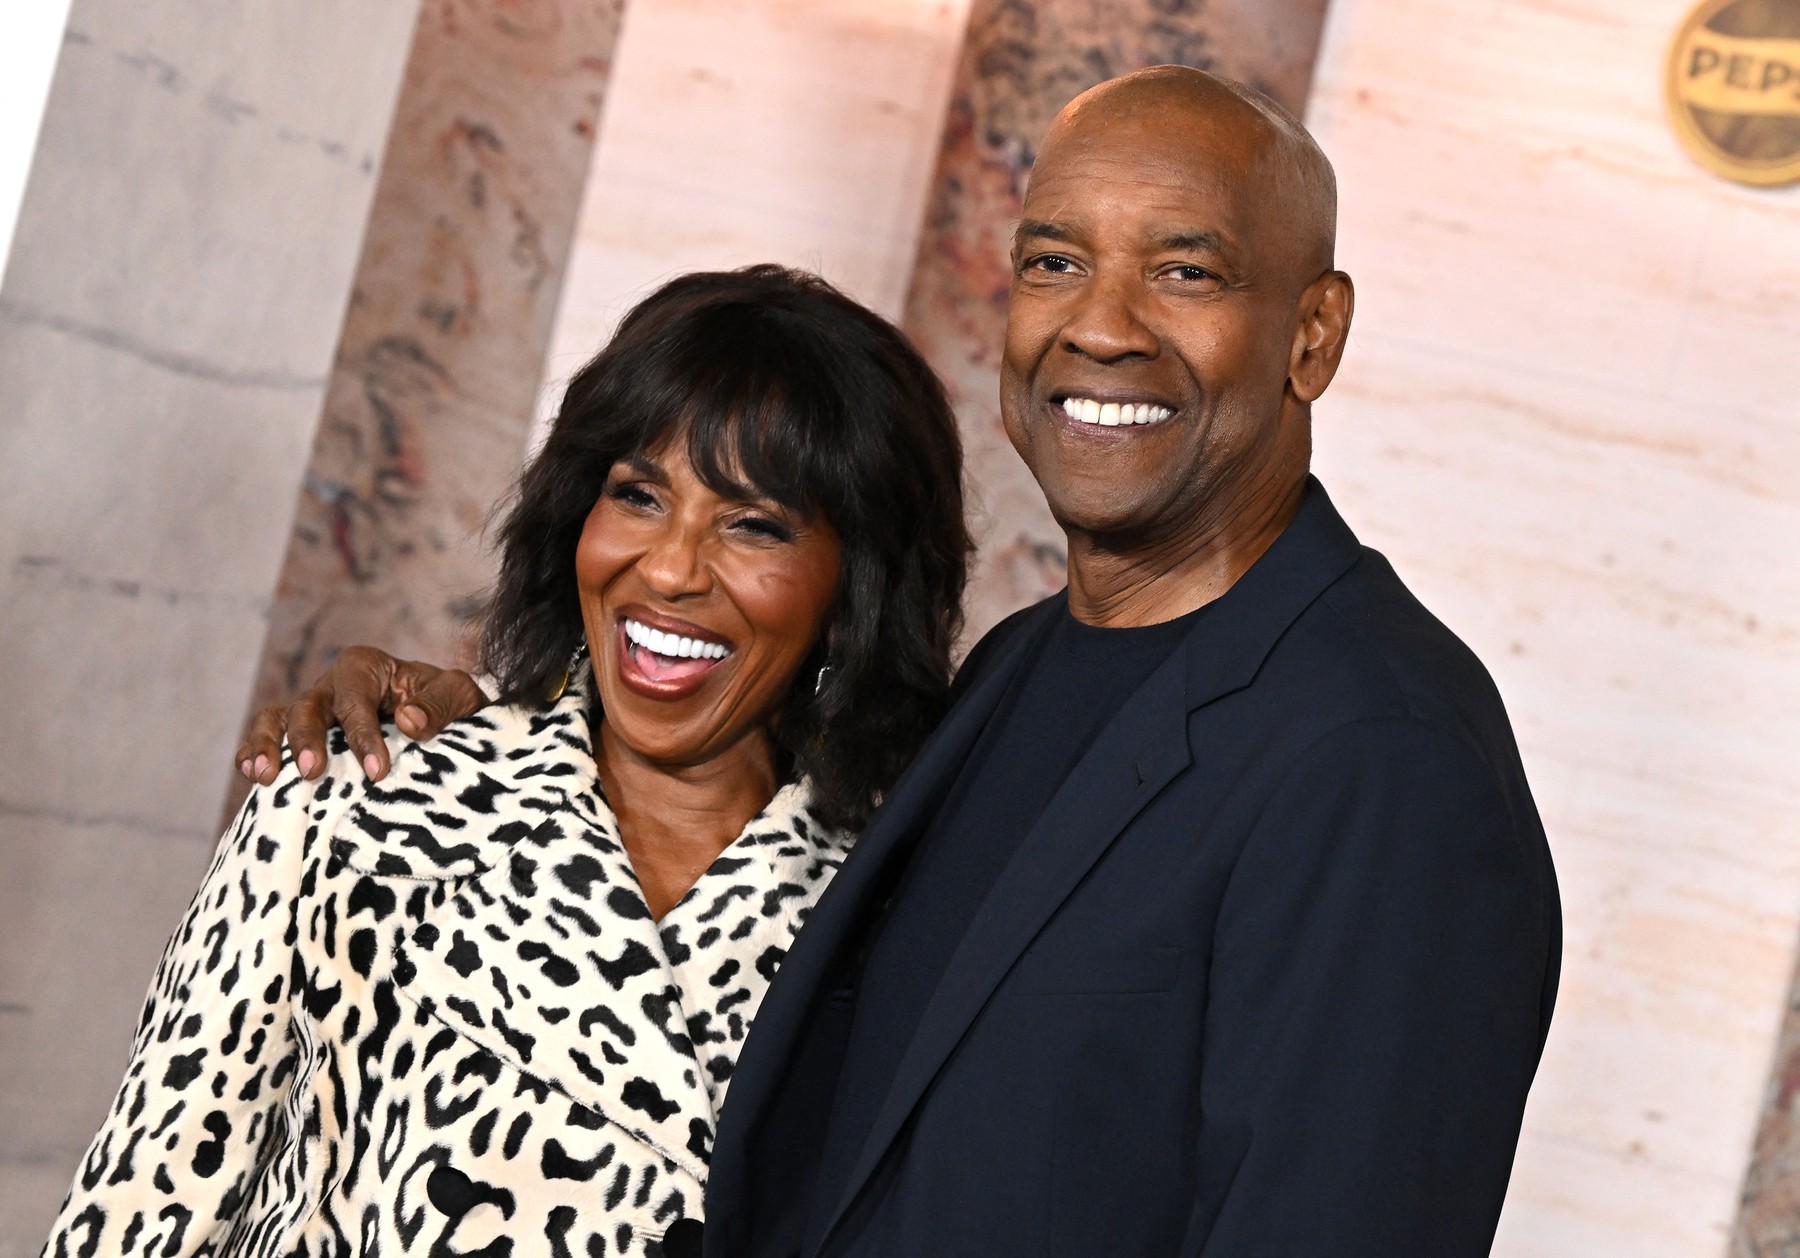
(1152, 317)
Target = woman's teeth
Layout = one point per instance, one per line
(1114, 414)
(673, 646)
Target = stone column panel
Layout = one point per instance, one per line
(184, 251)
(1768, 1223)
(431, 396)
(1023, 60)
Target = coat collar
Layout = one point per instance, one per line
(1141, 751)
(540, 946)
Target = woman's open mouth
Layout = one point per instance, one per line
(664, 664)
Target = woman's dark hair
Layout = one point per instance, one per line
(784, 388)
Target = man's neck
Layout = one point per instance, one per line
(1123, 584)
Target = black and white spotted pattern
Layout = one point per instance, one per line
(435, 1016)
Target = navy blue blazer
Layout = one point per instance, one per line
(1269, 978)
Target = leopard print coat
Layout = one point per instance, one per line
(435, 1016)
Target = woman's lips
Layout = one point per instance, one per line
(665, 666)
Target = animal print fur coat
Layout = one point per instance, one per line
(434, 1015)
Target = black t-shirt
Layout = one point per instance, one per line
(1074, 681)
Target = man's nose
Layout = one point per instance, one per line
(1106, 325)
(675, 564)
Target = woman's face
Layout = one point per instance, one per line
(699, 609)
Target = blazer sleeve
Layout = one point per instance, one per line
(1375, 1010)
(200, 1109)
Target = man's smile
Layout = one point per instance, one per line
(1114, 414)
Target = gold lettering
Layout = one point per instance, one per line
(1742, 76)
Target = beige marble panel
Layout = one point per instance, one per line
(740, 131)
(180, 270)
(1568, 414)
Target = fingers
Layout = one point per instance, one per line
(259, 754)
(307, 720)
(430, 698)
(362, 688)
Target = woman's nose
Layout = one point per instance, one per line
(675, 564)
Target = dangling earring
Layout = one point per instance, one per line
(562, 683)
(820, 683)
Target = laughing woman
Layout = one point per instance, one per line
(492, 1004)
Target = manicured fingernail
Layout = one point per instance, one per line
(411, 716)
(262, 765)
(371, 765)
(305, 761)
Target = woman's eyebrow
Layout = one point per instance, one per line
(645, 466)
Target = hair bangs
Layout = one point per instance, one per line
(759, 410)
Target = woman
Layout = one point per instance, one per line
(492, 1004)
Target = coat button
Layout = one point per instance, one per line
(451, 1192)
(682, 1240)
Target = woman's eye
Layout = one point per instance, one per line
(632, 495)
(763, 527)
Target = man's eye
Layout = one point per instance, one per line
(1056, 264)
(1192, 274)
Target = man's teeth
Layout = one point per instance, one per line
(671, 645)
(1114, 414)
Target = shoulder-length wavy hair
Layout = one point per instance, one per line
(779, 386)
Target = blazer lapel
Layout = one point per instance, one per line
(1141, 750)
(843, 910)
(1138, 754)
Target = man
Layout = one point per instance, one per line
(1216, 919)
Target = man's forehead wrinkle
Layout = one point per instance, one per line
(1232, 125)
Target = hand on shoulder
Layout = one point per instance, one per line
(363, 685)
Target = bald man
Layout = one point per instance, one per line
(1216, 919)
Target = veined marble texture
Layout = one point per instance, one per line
(1568, 413)
(430, 400)
(1021, 62)
(173, 293)
(739, 131)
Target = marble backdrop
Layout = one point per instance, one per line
(430, 398)
(1568, 413)
(175, 288)
(742, 131)
(1021, 63)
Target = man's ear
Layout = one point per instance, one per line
(1323, 326)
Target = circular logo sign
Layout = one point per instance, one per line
(1734, 88)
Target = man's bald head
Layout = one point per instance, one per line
(1174, 314)
(1303, 187)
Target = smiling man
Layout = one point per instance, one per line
(1216, 919)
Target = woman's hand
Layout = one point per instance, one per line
(361, 686)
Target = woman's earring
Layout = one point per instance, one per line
(820, 683)
(562, 683)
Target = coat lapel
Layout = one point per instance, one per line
(538, 945)
(1141, 750)
(843, 910)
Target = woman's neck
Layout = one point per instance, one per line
(674, 821)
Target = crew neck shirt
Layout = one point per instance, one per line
(1075, 680)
